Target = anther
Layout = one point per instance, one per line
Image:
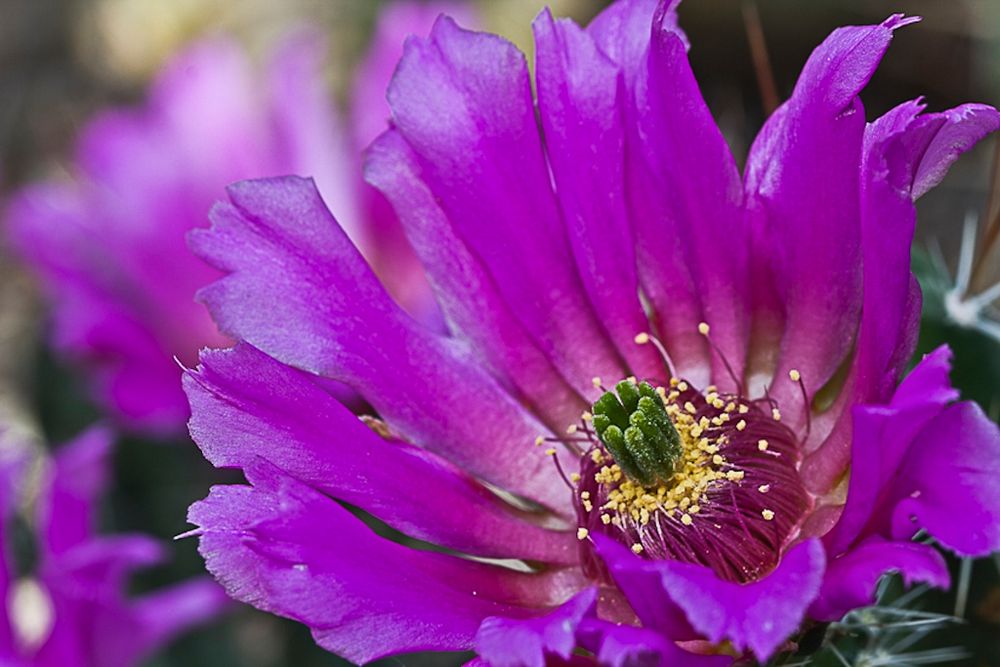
(581, 533)
(796, 377)
(637, 549)
(703, 329)
(644, 338)
(767, 514)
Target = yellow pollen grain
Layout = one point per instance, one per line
(574, 477)
(586, 416)
(767, 514)
(587, 505)
(764, 488)
(539, 441)
(744, 409)
(551, 451)
(674, 382)
(686, 519)
(605, 519)
(741, 425)
(571, 429)
(776, 414)
(718, 404)
(694, 509)
(703, 328)
(689, 406)
(682, 386)
(596, 381)
(596, 456)
(718, 460)
(581, 533)
(794, 375)
(730, 407)
(641, 338)
(735, 475)
(585, 495)
(637, 549)
(762, 445)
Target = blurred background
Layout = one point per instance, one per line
(63, 60)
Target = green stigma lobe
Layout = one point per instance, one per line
(637, 432)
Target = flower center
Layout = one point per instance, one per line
(680, 474)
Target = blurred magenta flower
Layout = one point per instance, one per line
(109, 246)
(72, 610)
(757, 464)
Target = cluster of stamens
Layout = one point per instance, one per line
(719, 487)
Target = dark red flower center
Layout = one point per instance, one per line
(717, 487)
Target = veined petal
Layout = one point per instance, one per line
(287, 549)
(947, 483)
(803, 191)
(396, 22)
(244, 407)
(686, 198)
(637, 577)
(906, 153)
(581, 104)
(618, 645)
(758, 616)
(505, 642)
(299, 291)
(466, 292)
(622, 32)
(851, 579)
(462, 101)
(882, 436)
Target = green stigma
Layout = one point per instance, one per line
(635, 428)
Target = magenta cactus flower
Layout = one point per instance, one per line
(671, 421)
(72, 608)
(144, 177)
